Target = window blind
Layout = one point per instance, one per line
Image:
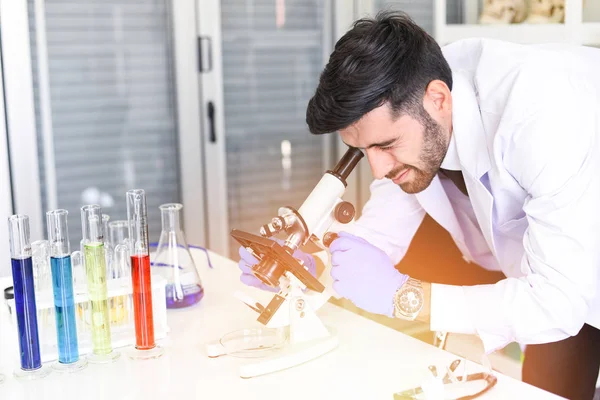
(272, 58)
(111, 83)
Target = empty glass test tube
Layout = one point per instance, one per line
(25, 304)
(121, 307)
(119, 232)
(119, 236)
(82, 309)
(69, 359)
(95, 268)
(145, 346)
(108, 250)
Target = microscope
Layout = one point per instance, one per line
(293, 308)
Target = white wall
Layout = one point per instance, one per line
(591, 11)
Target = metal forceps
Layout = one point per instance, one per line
(450, 379)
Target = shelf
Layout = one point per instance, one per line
(574, 30)
(519, 33)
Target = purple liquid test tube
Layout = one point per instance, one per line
(25, 305)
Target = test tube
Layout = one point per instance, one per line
(121, 306)
(79, 286)
(119, 232)
(140, 276)
(25, 304)
(108, 250)
(42, 280)
(105, 222)
(95, 268)
(119, 241)
(62, 287)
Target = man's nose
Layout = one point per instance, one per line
(381, 163)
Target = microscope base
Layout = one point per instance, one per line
(290, 356)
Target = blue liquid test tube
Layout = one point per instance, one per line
(62, 287)
(25, 305)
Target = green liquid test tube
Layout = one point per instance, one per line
(95, 269)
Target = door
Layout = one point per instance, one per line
(103, 98)
(266, 60)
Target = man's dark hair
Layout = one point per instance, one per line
(388, 58)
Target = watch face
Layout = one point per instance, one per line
(409, 301)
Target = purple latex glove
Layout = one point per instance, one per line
(247, 261)
(364, 274)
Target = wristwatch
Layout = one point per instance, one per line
(409, 300)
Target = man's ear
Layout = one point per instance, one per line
(438, 95)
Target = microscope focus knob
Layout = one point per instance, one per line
(328, 238)
(344, 212)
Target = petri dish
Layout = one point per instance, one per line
(254, 342)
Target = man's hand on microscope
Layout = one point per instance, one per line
(247, 261)
(364, 274)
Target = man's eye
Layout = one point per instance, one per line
(386, 147)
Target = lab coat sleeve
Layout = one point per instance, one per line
(553, 154)
(449, 310)
(389, 219)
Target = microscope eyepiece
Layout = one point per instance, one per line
(346, 164)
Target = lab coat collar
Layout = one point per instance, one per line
(473, 151)
(451, 161)
(467, 127)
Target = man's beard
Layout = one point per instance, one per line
(435, 146)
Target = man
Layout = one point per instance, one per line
(498, 142)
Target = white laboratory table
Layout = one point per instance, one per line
(371, 362)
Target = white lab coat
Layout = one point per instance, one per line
(526, 130)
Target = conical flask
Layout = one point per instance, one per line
(174, 261)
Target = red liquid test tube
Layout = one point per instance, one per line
(142, 302)
(145, 345)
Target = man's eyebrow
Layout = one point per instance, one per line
(381, 144)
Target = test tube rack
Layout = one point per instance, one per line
(120, 302)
